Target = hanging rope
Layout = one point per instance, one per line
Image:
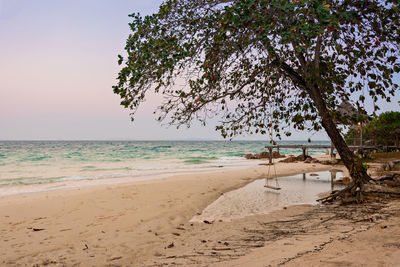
(272, 143)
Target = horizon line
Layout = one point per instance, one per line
(152, 140)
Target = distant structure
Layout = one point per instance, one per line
(349, 115)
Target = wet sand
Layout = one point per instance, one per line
(147, 224)
(256, 199)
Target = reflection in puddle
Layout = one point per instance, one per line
(254, 198)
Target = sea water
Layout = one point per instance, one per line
(25, 163)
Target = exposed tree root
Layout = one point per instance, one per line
(356, 192)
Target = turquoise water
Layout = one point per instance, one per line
(41, 162)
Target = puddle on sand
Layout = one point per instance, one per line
(254, 198)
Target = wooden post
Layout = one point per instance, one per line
(304, 152)
(332, 147)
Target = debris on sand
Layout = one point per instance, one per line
(264, 155)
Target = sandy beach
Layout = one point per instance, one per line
(147, 223)
(199, 133)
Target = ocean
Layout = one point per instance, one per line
(24, 164)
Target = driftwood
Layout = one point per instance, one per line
(264, 155)
(307, 159)
(221, 249)
(297, 158)
(387, 185)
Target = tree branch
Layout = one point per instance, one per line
(300, 57)
(317, 55)
(293, 75)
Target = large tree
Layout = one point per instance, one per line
(263, 64)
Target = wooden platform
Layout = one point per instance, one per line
(361, 150)
(304, 148)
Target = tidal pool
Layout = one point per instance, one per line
(254, 198)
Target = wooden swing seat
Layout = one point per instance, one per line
(272, 187)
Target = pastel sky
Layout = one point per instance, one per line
(58, 61)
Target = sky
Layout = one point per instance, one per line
(58, 61)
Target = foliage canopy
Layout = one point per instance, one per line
(253, 62)
(382, 130)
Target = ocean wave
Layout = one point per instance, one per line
(27, 181)
(199, 159)
(35, 158)
(160, 147)
(88, 160)
(42, 180)
(73, 155)
(231, 159)
(195, 161)
(197, 150)
(151, 168)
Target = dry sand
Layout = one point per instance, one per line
(147, 224)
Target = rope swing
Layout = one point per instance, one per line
(272, 142)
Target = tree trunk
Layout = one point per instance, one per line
(353, 164)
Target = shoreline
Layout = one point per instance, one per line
(29, 165)
(133, 221)
(77, 184)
